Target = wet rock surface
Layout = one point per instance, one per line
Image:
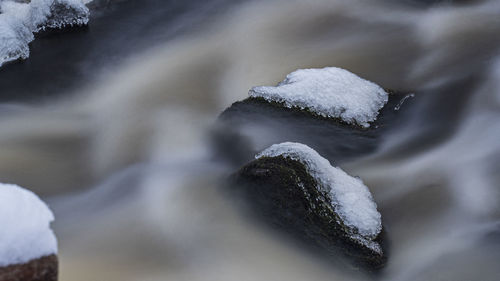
(280, 192)
(42, 269)
(253, 124)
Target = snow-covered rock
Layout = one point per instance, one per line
(350, 198)
(25, 227)
(295, 190)
(19, 21)
(329, 92)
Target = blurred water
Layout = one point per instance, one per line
(126, 165)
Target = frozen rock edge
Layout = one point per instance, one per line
(19, 21)
(329, 92)
(25, 219)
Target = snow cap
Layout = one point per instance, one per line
(329, 92)
(351, 199)
(25, 226)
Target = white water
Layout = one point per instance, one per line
(125, 162)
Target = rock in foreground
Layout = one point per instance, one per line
(298, 192)
(28, 246)
(42, 269)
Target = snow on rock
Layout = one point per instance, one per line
(351, 199)
(329, 92)
(20, 20)
(25, 222)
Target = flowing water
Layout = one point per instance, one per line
(111, 125)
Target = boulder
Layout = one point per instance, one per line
(319, 206)
(334, 111)
(253, 124)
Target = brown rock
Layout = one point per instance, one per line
(42, 269)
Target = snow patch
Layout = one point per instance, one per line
(25, 222)
(19, 21)
(351, 199)
(329, 92)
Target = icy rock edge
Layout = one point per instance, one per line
(351, 199)
(25, 219)
(328, 92)
(19, 21)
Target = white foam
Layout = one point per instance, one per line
(25, 226)
(329, 92)
(19, 21)
(351, 199)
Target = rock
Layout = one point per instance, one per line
(41, 269)
(282, 192)
(332, 110)
(253, 124)
(28, 246)
(21, 20)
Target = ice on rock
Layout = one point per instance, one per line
(329, 92)
(19, 21)
(351, 199)
(25, 226)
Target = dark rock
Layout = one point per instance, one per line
(42, 269)
(280, 192)
(253, 124)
